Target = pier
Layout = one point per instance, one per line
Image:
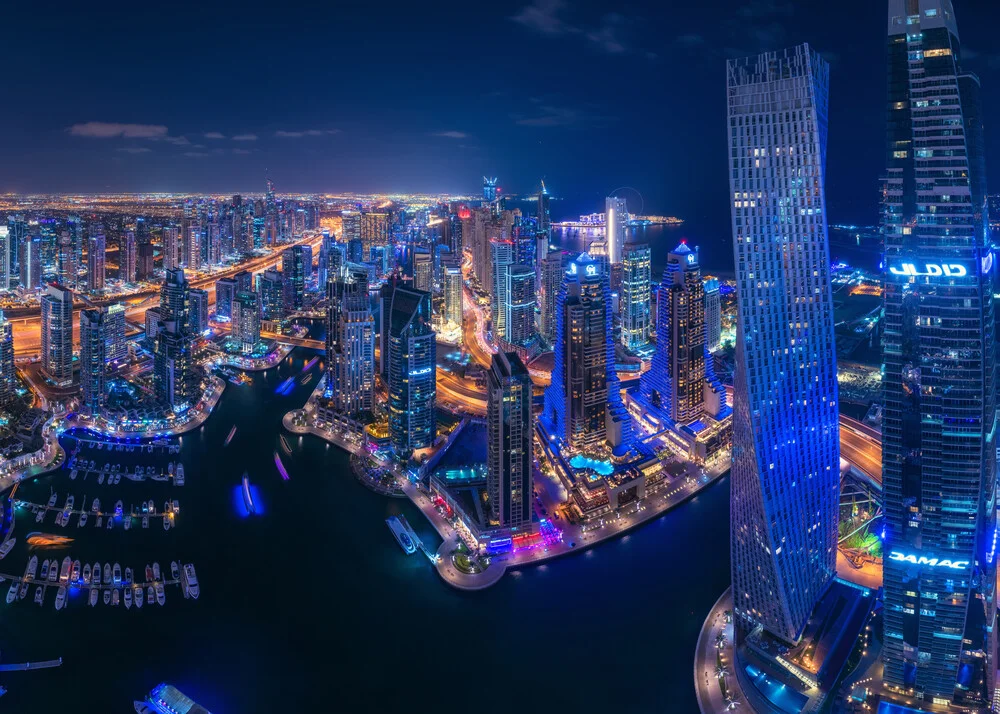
(47, 664)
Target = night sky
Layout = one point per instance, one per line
(428, 97)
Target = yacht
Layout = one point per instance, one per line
(118, 478)
(170, 468)
(40, 516)
(5, 548)
(232, 433)
(189, 582)
(38, 594)
(167, 508)
(64, 518)
(107, 596)
(145, 521)
(111, 522)
(179, 476)
(100, 478)
(86, 573)
(161, 596)
(248, 496)
(72, 475)
(127, 522)
(138, 597)
(64, 569)
(12, 591)
(115, 598)
(29, 572)
(94, 594)
(61, 597)
(402, 537)
(128, 576)
(96, 506)
(75, 577)
(176, 505)
(97, 573)
(175, 573)
(152, 508)
(156, 571)
(118, 508)
(45, 571)
(52, 499)
(149, 573)
(53, 571)
(23, 593)
(100, 521)
(166, 521)
(149, 595)
(117, 578)
(107, 573)
(128, 598)
(83, 520)
(69, 503)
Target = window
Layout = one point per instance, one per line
(937, 53)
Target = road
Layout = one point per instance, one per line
(861, 448)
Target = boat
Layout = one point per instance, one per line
(38, 594)
(175, 573)
(40, 516)
(83, 520)
(64, 569)
(100, 478)
(75, 577)
(117, 577)
(107, 573)
(29, 572)
(94, 594)
(189, 581)
(179, 476)
(23, 592)
(97, 573)
(52, 499)
(107, 596)
(63, 518)
(307, 379)
(53, 571)
(402, 537)
(152, 508)
(138, 598)
(12, 591)
(232, 433)
(149, 573)
(280, 466)
(284, 445)
(6, 547)
(166, 521)
(128, 598)
(96, 506)
(69, 503)
(128, 576)
(248, 496)
(156, 571)
(161, 596)
(72, 475)
(127, 522)
(115, 598)
(100, 521)
(111, 522)
(45, 571)
(61, 597)
(149, 595)
(118, 508)
(118, 478)
(145, 521)
(86, 573)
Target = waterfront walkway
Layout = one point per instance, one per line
(707, 682)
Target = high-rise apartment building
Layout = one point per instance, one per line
(225, 293)
(551, 269)
(374, 231)
(634, 299)
(116, 347)
(713, 314)
(128, 260)
(939, 418)
(544, 210)
(30, 260)
(350, 344)
(615, 227)
(93, 361)
(197, 311)
(96, 251)
(423, 270)
(245, 321)
(8, 376)
(270, 288)
(171, 247)
(509, 478)
(293, 275)
(453, 287)
(786, 450)
(519, 306)
(412, 362)
(57, 334)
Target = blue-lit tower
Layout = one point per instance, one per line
(412, 379)
(489, 189)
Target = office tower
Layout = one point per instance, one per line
(374, 231)
(171, 247)
(173, 380)
(244, 281)
(713, 314)
(384, 319)
(423, 270)
(519, 306)
(551, 270)
(412, 379)
(17, 233)
(356, 250)
(271, 290)
(65, 261)
(786, 451)
(5, 258)
(509, 479)
(308, 272)
(939, 359)
(93, 359)
(192, 246)
(197, 311)
(293, 261)
(144, 262)
(351, 226)
(257, 232)
(502, 258)
(634, 299)
(174, 296)
(584, 382)
(75, 232)
(153, 319)
(454, 289)
(489, 189)
(544, 212)
(328, 247)
(114, 330)
(615, 227)
(128, 262)
(57, 334)
(8, 375)
(30, 260)
(246, 321)
(96, 251)
(350, 344)
(213, 243)
(225, 293)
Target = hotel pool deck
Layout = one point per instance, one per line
(601, 468)
(781, 696)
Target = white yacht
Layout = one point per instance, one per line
(179, 475)
(6, 547)
(72, 475)
(12, 591)
(145, 521)
(175, 573)
(53, 571)
(189, 582)
(107, 596)
(138, 598)
(61, 597)
(94, 594)
(45, 571)
(149, 595)
(100, 521)
(97, 573)
(128, 598)
(161, 596)
(156, 571)
(166, 521)
(107, 573)
(52, 499)
(38, 594)
(70, 500)
(64, 569)
(83, 520)
(115, 598)
(86, 573)
(127, 522)
(117, 577)
(100, 478)
(96, 506)
(118, 508)
(75, 577)
(29, 572)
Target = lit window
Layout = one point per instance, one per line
(899, 154)
(937, 53)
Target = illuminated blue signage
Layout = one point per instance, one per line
(423, 370)
(691, 258)
(934, 270)
(930, 562)
(591, 270)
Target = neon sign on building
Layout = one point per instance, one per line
(900, 557)
(934, 270)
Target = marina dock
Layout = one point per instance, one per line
(48, 664)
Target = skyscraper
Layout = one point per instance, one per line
(31, 262)
(245, 321)
(96, 250)
(5, 274)
(374, 231)
(144, 261)
(634, 299)
(197, 311)
(502, 257)
(65, 260)
(786, 451)
(174, 297)
(171, 248)
(17, 228)
(713, 314)
(412, 378)
(293, 275)
(509, 478)
(454, 289)
(93, 359)
(350, 344)
(192, 239)
(615, 227)
(519, 305)
(225, 293)
(8, 377)
(423, 270)
(272, 294)
(544, 212)
(551, 268)
(489, 189)
(114, 331)
(128, 258)
(57, 334)
(939, 358)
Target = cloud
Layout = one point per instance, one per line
(245, 137)
(214, 135)
(135, 149)
(175, 140)
(546, 17)
(543, 16)
(242, 152)
(285, 134)
(108, 130)
(608, 36)
(196, 154)
(549, 114)
(451, 134)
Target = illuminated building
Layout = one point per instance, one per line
(174, 298)
(144, 261)
(114, 329)
(197, 311)
(634, 299)
(192, 245)
(225, 293)
(374, 231)
(713, 314)
(167, 699)
(615, 227)
(351, 230)
(245, 321)
(57, 334)
(271, 291)
(519, 305)
(509, 475)
(503, 257)
(293, 274)
(17, 233)
(171, 248)
(350, 344)
(128, 258)
(544, 212)
(153, 318)
(412, 378)
(5, 258)
(8, 375)
(96, 250)
(423, 270)
(489, 189)
(786, 451)
(939, 380)
(173, 379)
(65, 262)
(453, 287)
(31, 262)
(93, 358)
(244, 281)
(551, 269)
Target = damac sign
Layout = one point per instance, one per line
(930, 562)
(935, 270)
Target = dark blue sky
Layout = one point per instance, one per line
(430, 96)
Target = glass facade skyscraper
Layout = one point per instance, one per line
(509, 478)
(519, 307)
(786, 450)
(713, 314)
(8, 378)
(634, 299)
(57, 334)
(93, 356)
(350, 343)
(939, 357)
(412, 372)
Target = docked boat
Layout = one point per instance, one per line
(117, 577)
(100, 521)
(167, 507)
(72, 475)
(189, 582)
(175, 573)
(52, 499)
(107, 597)
(166, 521)
(156, 571)
(83, 520)
(152, 508)
(94, 594)
(61, 597)
(248, 496)
(402, 537)
(75, 577)
(100, 478)
(127, 522)
(170, 468)
(111, 522)
(177, 506)
(118, 508)
(69, 503)
(45, 571)
(29, 572)
(12, 591)
(232, 433)
(161, 596)
(86, 573)
(63, 518)
(40, 516)
(107, 573)
(6, 547)
(138, 597)
(38, 594)
(150, 596)
(145, 521)
(64, 569)
(115, 598)
(284, 446)
(128, 598)
(97, 573)
(179, 476)
(149, 573)
(96, 506)
(128, 576)
(23, 592)
(53, 571)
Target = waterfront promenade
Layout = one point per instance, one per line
(715, 647)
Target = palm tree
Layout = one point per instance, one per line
(721, 670)
(720, 640)
(731, 703)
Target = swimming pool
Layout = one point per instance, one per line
(603, 468)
